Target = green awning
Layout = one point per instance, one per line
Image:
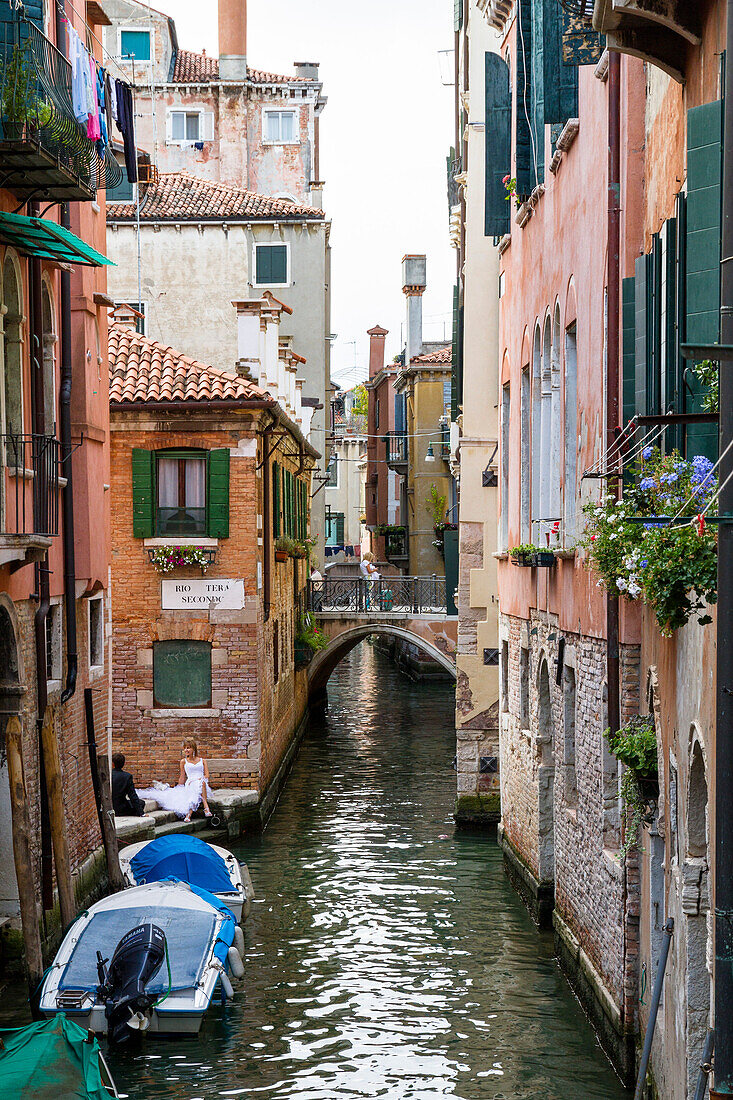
(36, 237)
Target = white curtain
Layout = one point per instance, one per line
(167, 482)
(195, 483)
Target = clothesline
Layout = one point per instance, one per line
(60, 4)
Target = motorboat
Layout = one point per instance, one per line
(171, 944)
(190, 859)
(51, 1059)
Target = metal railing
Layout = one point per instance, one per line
(30, 465)
(357, 596)
(44, 148)
(396, 445)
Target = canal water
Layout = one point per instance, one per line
(387, 954)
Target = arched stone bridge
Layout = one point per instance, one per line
(349, 610)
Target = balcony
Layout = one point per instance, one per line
(44, 151)
(29, 497)
(396, 546)
(396, 451)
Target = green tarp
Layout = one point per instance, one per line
(37, 237)
(51, 1060)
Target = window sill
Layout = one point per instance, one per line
(271, 286)
(52, 686)
(504, 243)
(95, 672)
(189, 143)
(184, 712)
(272, 141)
(501, 555)
(565, 555)
(180, 540)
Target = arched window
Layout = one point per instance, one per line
(49, 360)
(570, 518)
(697, 807)
(12, 349)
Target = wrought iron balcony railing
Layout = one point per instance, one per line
(357, 596)
(396, 444)
(45, 153)
(29, 491)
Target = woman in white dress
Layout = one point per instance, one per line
(193, 785)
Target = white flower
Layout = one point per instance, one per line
(621, 584)
(634, 590)
(611, 519)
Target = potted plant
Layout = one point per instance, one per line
(635, 745)
(282, 548)
(309, 639)
(524, 554)
(544, 559)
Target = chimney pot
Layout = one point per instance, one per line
(307, 69)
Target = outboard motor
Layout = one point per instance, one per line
(135, 962)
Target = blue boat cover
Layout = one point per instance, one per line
(225, 939)
(183, 857)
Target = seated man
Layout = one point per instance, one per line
(125, 802)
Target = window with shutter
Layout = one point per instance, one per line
(271, 265)
(641, 334)
(276, 531)
(217, 503)
(498, 146)
(523, 95)
(560, 78)
(628, 350)
(457, 15)
(143, 494)
(702, 240)
(580, 44)
(340, 528)
(457, 355)
(538, 94)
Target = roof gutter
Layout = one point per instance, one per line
(221, 405)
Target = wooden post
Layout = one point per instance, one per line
(59, 839)
(109, 833)
(30, 912)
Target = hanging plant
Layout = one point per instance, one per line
(635, 746)
(164, 559)
(707, 374)
(638, 554)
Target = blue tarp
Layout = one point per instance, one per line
(225, 938)
(183, 857)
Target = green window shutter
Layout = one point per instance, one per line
(523, 93)
(560, 79)
(271, 262)
(339, 528)
(670, 363)
(457, 355)
(276, 500)
(654, 320)
(580, 44)
(702, 240)
(538, 94)
(143, 493)
(279, 263)
(628, 356)
(217, 495)
(641, 332)
(498, 146)
(457, 15)
(263, 263)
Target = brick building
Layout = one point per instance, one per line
(210, 461)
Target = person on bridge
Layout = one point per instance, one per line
(370, 573)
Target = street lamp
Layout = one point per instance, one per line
(430, 456)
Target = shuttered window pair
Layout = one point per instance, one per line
(674, 295)
(180, 493)
(551, 44)
(289, 504)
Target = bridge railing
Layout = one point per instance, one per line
(358, 596)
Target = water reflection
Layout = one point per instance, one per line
(382, 960)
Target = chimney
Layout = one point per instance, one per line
(233, 40)
(377, 336)
(307, 69)
(414, 282)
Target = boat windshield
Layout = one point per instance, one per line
(188, 932)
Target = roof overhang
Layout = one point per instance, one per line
(48, 241)
(659, 32)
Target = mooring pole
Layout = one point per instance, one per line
(654, 1009)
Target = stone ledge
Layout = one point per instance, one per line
(133, 829)
(182, 712)
(539, 897)
(478, 810)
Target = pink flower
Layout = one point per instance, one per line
(506, 178)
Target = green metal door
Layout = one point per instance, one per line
(450, 546)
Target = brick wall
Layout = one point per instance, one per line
(555, 779)
(254, 718)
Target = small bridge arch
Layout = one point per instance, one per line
(346, 635)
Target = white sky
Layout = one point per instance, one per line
(385, 134)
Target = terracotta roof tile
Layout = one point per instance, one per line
(177, 196)
(442, 355)
(199, 68)
(144, 370)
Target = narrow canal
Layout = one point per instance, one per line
(387, 954)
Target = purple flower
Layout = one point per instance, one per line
(647, 484)
(644, 562)
(669, 478)
(647, 452)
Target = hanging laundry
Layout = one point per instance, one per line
(126, 123)
(102, 100)
(94, 132)
(112, 100)
(79, 75)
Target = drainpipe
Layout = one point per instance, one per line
(72, 659)
(613, 349)
(723, 866)
(40, 490)
(266, 520)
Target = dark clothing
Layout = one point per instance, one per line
(126, 124)
(125, 802)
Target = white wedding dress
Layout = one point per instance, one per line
(184, 798)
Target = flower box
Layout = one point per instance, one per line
(281, 555)
(165, 559)
(304, 654)
(524, 558)
(544, 559)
